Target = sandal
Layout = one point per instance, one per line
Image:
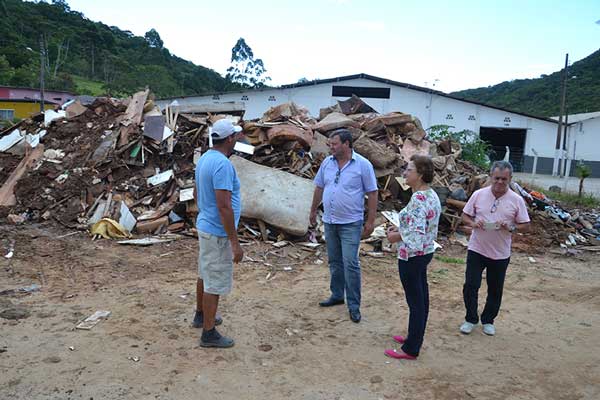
(398, 354)
(399, 339)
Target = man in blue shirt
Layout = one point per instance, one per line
(217, 194)
(341, 184)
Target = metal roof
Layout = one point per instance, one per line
(34, 101)
(574, 118)
(375, 79)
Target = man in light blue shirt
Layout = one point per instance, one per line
(341, 184)
(217, 194)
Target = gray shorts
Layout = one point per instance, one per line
(215, 263)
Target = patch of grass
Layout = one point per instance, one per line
(449, 260)
(569, 199)
(586, 200)
(441, 272)
(86, 86)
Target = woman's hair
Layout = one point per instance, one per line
(424, 167)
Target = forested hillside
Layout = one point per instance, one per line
(80, 52)
(542, 96)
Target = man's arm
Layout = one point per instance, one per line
(317, 198)
(524, 227)
(521, 215)
(471, 222)
(371, 213)
(223, 198)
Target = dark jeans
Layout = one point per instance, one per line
(413, 275)
(494, 276)
(343, 241)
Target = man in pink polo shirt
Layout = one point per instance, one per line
(494, 213)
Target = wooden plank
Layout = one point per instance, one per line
(135, 109)
(459, 205)
(263, 230)
(7, 195)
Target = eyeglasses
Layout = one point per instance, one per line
(495, 206)
(337, 176)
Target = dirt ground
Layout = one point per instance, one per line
(546, 347)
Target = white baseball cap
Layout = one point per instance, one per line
(224, 128)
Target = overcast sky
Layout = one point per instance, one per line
(463, 44)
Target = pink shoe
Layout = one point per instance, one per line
(399, 339)
(398, 354)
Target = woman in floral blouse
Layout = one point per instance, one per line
(415, 235)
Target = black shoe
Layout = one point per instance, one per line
(199, 320)
(331, 302)
(355, 316)
(213, 338)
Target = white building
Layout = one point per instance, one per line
(582, 143)
(499, 126)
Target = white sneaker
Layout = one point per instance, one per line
(467, 327)
(489, 329)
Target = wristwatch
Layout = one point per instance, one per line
(512, 228)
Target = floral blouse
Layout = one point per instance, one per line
(419, 222)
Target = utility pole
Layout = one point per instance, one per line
(42, 54)
(558, 150)
(565, 145)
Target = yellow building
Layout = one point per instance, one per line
(15, 108)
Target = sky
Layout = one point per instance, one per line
(447, 45)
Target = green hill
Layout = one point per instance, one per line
(81, 53)
(541, 96)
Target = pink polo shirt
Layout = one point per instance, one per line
(510, 208)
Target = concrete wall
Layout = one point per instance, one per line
(24, 109)
(584, 141)
(582, 144)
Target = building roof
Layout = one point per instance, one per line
(375, 79)
(36, 89)
(35, 101)
(574, 118)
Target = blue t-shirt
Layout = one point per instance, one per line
(214, 171)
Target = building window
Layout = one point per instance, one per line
(8, 115)
(449, 116)
(471, 117)
(360, 91)
(244, 97)
(216, 97)
(272, 98)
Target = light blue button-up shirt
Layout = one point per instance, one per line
(344, 190)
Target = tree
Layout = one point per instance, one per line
(153, 39)
(62, 4)
(6, 71)
(245, 70)
(76, 48)
(473, 148)
(582, 171)
(62, 81)
(24, 76)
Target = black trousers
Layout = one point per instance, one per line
(413, 275)
(494, 276)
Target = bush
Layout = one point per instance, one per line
(474, 149)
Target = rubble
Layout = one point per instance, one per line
(123, 167)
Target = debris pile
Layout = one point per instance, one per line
(115, 167)
(552, 225)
